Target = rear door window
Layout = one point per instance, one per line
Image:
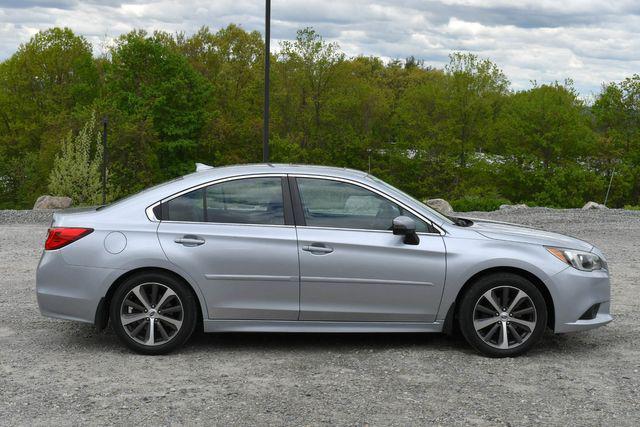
(188, 207)
(241, 201)
(246, 201)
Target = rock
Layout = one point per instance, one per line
(593, 205)
(441, 205)
(52, 202)
(512, 207)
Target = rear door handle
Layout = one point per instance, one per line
(190, 241)
(317, 248)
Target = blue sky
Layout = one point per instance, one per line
(543, 40)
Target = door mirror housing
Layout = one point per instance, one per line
(405, 226)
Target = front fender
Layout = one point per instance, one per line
(468, 257)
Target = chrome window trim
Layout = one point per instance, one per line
(149, 211)
(378, 192)
(228, 224)
(315, 227)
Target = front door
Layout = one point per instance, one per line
(235, 238)
(352, 267)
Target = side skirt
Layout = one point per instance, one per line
(317, 326)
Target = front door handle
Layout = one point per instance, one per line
(317, 248)
(190, 241)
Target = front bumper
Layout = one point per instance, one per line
(70, 292)
(574, 292)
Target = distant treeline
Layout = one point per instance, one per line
(173, 100)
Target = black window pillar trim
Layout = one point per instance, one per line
(204, 204)
(157, 211)
(296, 201)
(289, 218)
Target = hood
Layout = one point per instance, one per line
(518, 233)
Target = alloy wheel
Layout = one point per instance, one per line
(504, 317)
(151, 314)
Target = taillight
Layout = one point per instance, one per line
(59, 237)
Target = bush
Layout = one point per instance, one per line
(632, 207)
(76, 170)
(478, 203)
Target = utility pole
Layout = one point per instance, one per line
(105, 154)
(267, 68)
(606, 198)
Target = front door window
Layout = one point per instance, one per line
(336, 204)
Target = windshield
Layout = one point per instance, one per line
(439, 215)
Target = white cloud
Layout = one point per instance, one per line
(543, 40)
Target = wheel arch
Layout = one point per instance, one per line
(102, 312)
(450, 323)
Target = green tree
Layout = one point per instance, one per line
(46, 87)
(617, 118)
(358, 112)
(547, 144)
(231, 62)
(474, 89)
(309, 65)
(547, 123)
(423, 153)
(443, 115)
(156, 101)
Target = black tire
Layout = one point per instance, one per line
(469, 312)
(183, 296)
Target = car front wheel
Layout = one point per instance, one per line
(153, 313)
(502, 315)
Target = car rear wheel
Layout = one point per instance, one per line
(502, 315)
(153, 313)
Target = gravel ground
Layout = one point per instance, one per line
(60, 373)
(39, 216)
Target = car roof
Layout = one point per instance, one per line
(259, 168)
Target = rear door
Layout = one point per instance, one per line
(237, 239)
(352, 267)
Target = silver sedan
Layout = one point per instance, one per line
(286, 248)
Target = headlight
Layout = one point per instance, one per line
(585, 261)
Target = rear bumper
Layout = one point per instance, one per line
(70, 292)
(574, 293)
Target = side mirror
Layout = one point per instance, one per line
(405, 226)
